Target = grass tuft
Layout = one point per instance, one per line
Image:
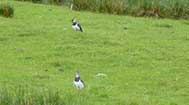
(6, 10)
(21, 95)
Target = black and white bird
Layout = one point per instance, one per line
(76, 26)
(79, 84)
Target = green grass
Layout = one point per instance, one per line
(21, 95)
(146, 60)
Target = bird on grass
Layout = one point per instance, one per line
(76, 26)
(79, 84)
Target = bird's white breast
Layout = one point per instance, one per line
(76, 27)
(79, 84)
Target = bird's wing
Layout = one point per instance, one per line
(82, 81)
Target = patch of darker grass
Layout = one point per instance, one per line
(125, 28)
(186, 38)
(186, 22)
(133, 103)
(26, 34)
(56, 64)
(173, 104)
(104, 96)
(164, 25)
(61, 69)
(28, 58)
(3, 39)
(163, 83)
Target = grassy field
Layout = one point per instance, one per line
(145, 60)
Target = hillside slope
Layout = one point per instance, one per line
(145, 60)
